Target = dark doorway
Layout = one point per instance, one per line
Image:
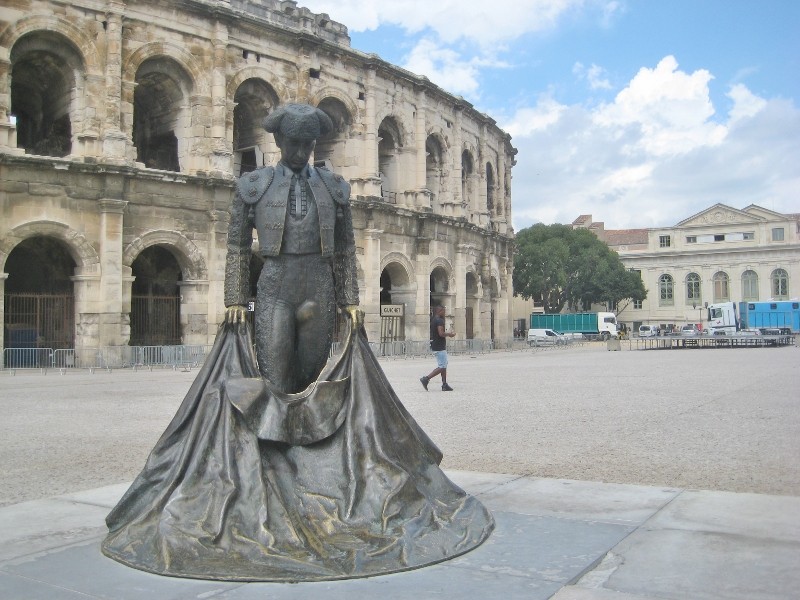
(155, 299)
(39, 300)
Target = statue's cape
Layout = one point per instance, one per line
(248, 484)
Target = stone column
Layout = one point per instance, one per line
(3, 277)
(370, 292)
(420, 131)
(457, 208)
(221, 149)
(114, 140)
(459, 308)
(8, 130)
(110, 294)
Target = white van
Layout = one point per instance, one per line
(543, 337)
(648, 330)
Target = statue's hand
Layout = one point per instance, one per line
(356, 316)
(235, 314)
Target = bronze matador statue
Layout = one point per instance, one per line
(305, 234)
(290, 465)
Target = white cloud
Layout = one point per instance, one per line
(594, 76)
(657, 154)
(447, 68)
(475, 20)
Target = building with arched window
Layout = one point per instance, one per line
(720, 254)
(124, 124)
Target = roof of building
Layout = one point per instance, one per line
(625, 237)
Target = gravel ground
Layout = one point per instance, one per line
(718, 419)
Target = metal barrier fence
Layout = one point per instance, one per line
(190, 356)
(108, 357)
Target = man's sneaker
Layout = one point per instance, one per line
(424, 381)
(446, 388)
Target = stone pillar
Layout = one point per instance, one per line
(194, 312)
(457, 208)
(370, 292)
(420, 131)
(221, 149)
(3, 277)
(114, 140)
(369, 151)
(8, 130)
(459, 308)
(110, 294)
(217, 251)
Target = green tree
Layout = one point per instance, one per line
(558, 266)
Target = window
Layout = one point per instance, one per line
(663, 241)
(691, 239)
(719, 237)
(748, 235)
(777, 234)
(749, 286)
(637, 304)
(721, 286)
(780, 284)
(693, 295)
(665, 290)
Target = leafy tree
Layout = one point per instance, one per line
(558, 266)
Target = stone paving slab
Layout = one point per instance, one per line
(560, 539)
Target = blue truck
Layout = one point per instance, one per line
(726, 318)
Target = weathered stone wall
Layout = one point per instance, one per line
(177, 84)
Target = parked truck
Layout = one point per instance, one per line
(727, 318)
(600, 324)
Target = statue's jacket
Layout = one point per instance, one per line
(261, 204)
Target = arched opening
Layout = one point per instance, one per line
(254, 100)
(39, 300)
(389, 143)
(666, 290)
(44, 67)
(749, 286)
(155, 298)
(330, 150)
(160, 114)
(434, 169)
(473, 298)
(489, 187)
(439, 284)
(467, 170)
(694, 292)
(394, 287)
(722, 288)
(780, 284)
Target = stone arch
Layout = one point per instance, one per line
(154, 50)
(404, 265)
(188, 255)
(81, 251)
(82, 42)
(443, 263)
(399, 127)
(256, 72)
(337, 94)
(330, 150)
(253, 100)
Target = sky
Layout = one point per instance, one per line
(641, 113)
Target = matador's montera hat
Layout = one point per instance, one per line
(298, 121)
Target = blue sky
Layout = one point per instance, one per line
(638, 112)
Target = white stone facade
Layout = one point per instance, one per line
(720, 254)
(123, 124)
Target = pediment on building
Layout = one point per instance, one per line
(721, 214)
(764, 213)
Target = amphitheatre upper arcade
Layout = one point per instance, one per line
(123, 125)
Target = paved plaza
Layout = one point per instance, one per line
(611, 475)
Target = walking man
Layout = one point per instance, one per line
(439, 347)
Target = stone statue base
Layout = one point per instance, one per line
(247, 484)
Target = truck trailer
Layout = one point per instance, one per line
(600, 324)
(727, 318)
